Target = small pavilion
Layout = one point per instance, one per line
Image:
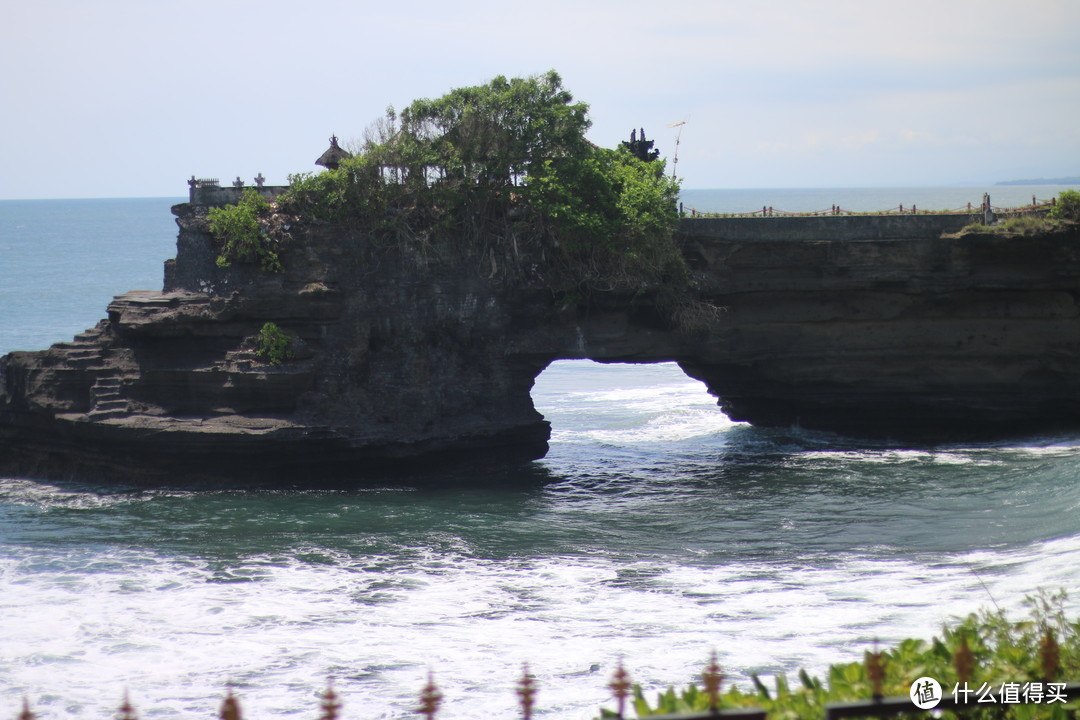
(333, 156)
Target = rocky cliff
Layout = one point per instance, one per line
(895, 326)
(405, 355)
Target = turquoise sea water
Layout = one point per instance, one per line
(656, 530)
(62, 261)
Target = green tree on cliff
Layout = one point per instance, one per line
(239, 227)
(507, 162)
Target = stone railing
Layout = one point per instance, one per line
(209, 191)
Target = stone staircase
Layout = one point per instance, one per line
(107, 398)
(241, 359)
(86, 354)
(84, 351)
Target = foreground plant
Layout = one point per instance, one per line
(983, 650)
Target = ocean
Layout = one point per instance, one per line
(655, 531)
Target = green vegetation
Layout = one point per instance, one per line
(273, 344)
(1025, 225)
(983, 648)
(505, 169)
(239, 226)
(1067, 206)
(1065, 210)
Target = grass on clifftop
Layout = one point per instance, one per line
(1024, 226)
(1065, 212)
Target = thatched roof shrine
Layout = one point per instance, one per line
(333, 155)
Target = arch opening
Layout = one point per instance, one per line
(625, 406)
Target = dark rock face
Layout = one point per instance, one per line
(406, 356)
(396, 357)
(890, 325)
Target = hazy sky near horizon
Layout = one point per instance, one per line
(126, 98)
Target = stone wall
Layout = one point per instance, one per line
(839, 228)
(212, 195)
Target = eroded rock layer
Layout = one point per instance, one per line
(890, 325)
(405, 355)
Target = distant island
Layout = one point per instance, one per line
(1074, 180)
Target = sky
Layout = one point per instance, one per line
(119, 98)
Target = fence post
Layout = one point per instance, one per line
(430, 698)
(712, 678)
(127, 711)
(230, 707)
(1049, 656)
(620, 687)
(330, 703)
(875, 673)
(963, 660)
(526, 692)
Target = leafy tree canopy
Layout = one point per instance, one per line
(497, 133)
(239, 227)
(507, 162)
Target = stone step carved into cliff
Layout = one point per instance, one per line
(107, 398)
